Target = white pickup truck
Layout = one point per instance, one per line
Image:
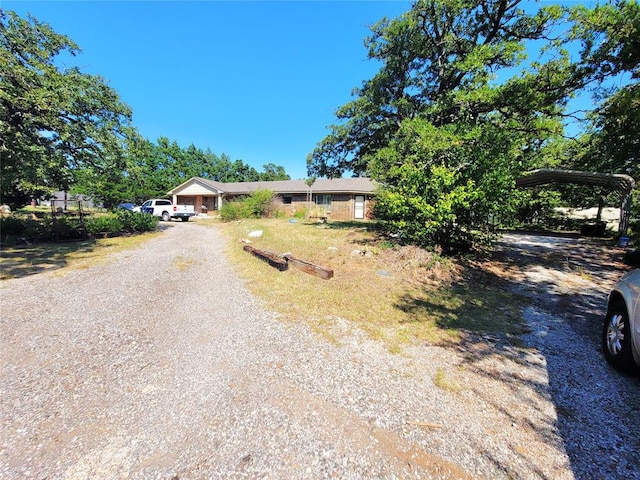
(163, 208)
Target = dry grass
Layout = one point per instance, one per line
(397, 294)
(445, 382)
(61, 257)
(181, 263)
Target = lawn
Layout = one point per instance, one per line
(27, 260)
(396, 294)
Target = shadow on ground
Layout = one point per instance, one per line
(560, 286)
(20, 262)
(567, 281)
(34, 258)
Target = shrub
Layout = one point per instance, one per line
(34, 229)
(632, 257)
(70, 228)
(258, 204)
(234, 210)
(136, 222)
(66, 224)
(122, 221)
(12, 226)
(300, 214)
(103, 224)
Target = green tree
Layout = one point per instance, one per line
(144, 177)
(54, 122)
(610, 39)
(141, 176)
(439, 126)
(440, 60)
(273, 172)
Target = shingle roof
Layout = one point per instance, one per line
(321, 185)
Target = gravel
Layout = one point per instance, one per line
(158, 364)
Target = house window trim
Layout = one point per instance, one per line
(322, 196)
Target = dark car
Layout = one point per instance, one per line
(129, 206)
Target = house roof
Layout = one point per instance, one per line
(321, 185)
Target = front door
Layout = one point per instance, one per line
(358, 214)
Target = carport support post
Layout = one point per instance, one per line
(625, 213)
(600, 208)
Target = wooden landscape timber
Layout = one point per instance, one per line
(271, 258)
(310, 268)
(281, 262)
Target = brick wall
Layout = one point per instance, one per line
(342, 206)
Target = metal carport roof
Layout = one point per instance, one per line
(619, 185)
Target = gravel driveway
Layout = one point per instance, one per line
(159, 364)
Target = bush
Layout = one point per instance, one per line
(66, 224)
(12, 226)
(103, 224)
(70, 228)
(34, 229)
(300, 214)
(122, 221)
(633, 232)
(632, 257)
(258, 204)
(234, 210)
(136, 222)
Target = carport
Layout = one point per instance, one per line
(619, 186)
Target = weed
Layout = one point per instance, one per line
(442, 381)
(181, 263)
(386, 245)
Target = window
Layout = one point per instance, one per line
(323, 200)
(163, 202)
(287, 199)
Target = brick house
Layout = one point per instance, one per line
(336, 199)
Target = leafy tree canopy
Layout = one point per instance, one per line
(610, 39)
(151, 169)
(441, 60)
(458, 110)
(61, 129)
(54, 121)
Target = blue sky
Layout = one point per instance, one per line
(259, 81)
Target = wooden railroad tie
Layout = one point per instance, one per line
(271, 258)
(310, 268)
(281, 262)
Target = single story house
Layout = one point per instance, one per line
(337, 199)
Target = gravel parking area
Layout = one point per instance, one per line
(158, 364)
